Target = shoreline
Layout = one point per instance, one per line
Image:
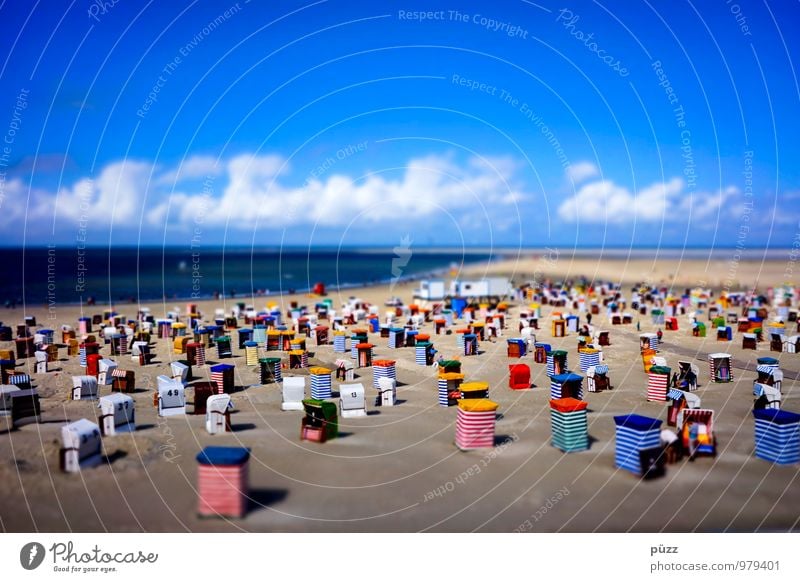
(677, 274)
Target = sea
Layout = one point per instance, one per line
(62, 275)
(54, 276)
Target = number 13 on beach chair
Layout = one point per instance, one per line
(352, 401)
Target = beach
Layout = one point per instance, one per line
(398, 469)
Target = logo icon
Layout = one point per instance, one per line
(31, 555)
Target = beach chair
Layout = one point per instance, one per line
(222, 482)
(171, 397)
(724, 334)
(123, 380)
(777, 436)
(351, 400)
(697, 432)
(569, 425)
(671, 445)
(80, 446)
(529, 337)
(475, 424)
(218, 414)
(21, 406)
(345, 370)
(117, 414)
(293, 392)
(320, 423)
(597, 379)
(638, 445)
(765, 396)
(180, 371)
(84, 388)
(106, 368)
(387, 391)
(567, 385)
(41, 362)
(519, 376)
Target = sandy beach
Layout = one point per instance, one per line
(398, 469)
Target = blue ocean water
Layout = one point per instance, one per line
(65, 275)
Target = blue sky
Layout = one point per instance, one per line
(351, 123)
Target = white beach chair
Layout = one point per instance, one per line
(218, 419)
(388, 391)
(293, 392)
(171, 397)
(180, 371)
(117, 414)
(136, 350)
(351, 400)
(105, 367)
(41, 362)
(84, 388)
(80, 446)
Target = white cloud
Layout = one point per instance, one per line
(246, 189)
(429, 185)
(115, 196)
(604, 202)
(581, 172)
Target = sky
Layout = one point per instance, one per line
(511, 123)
